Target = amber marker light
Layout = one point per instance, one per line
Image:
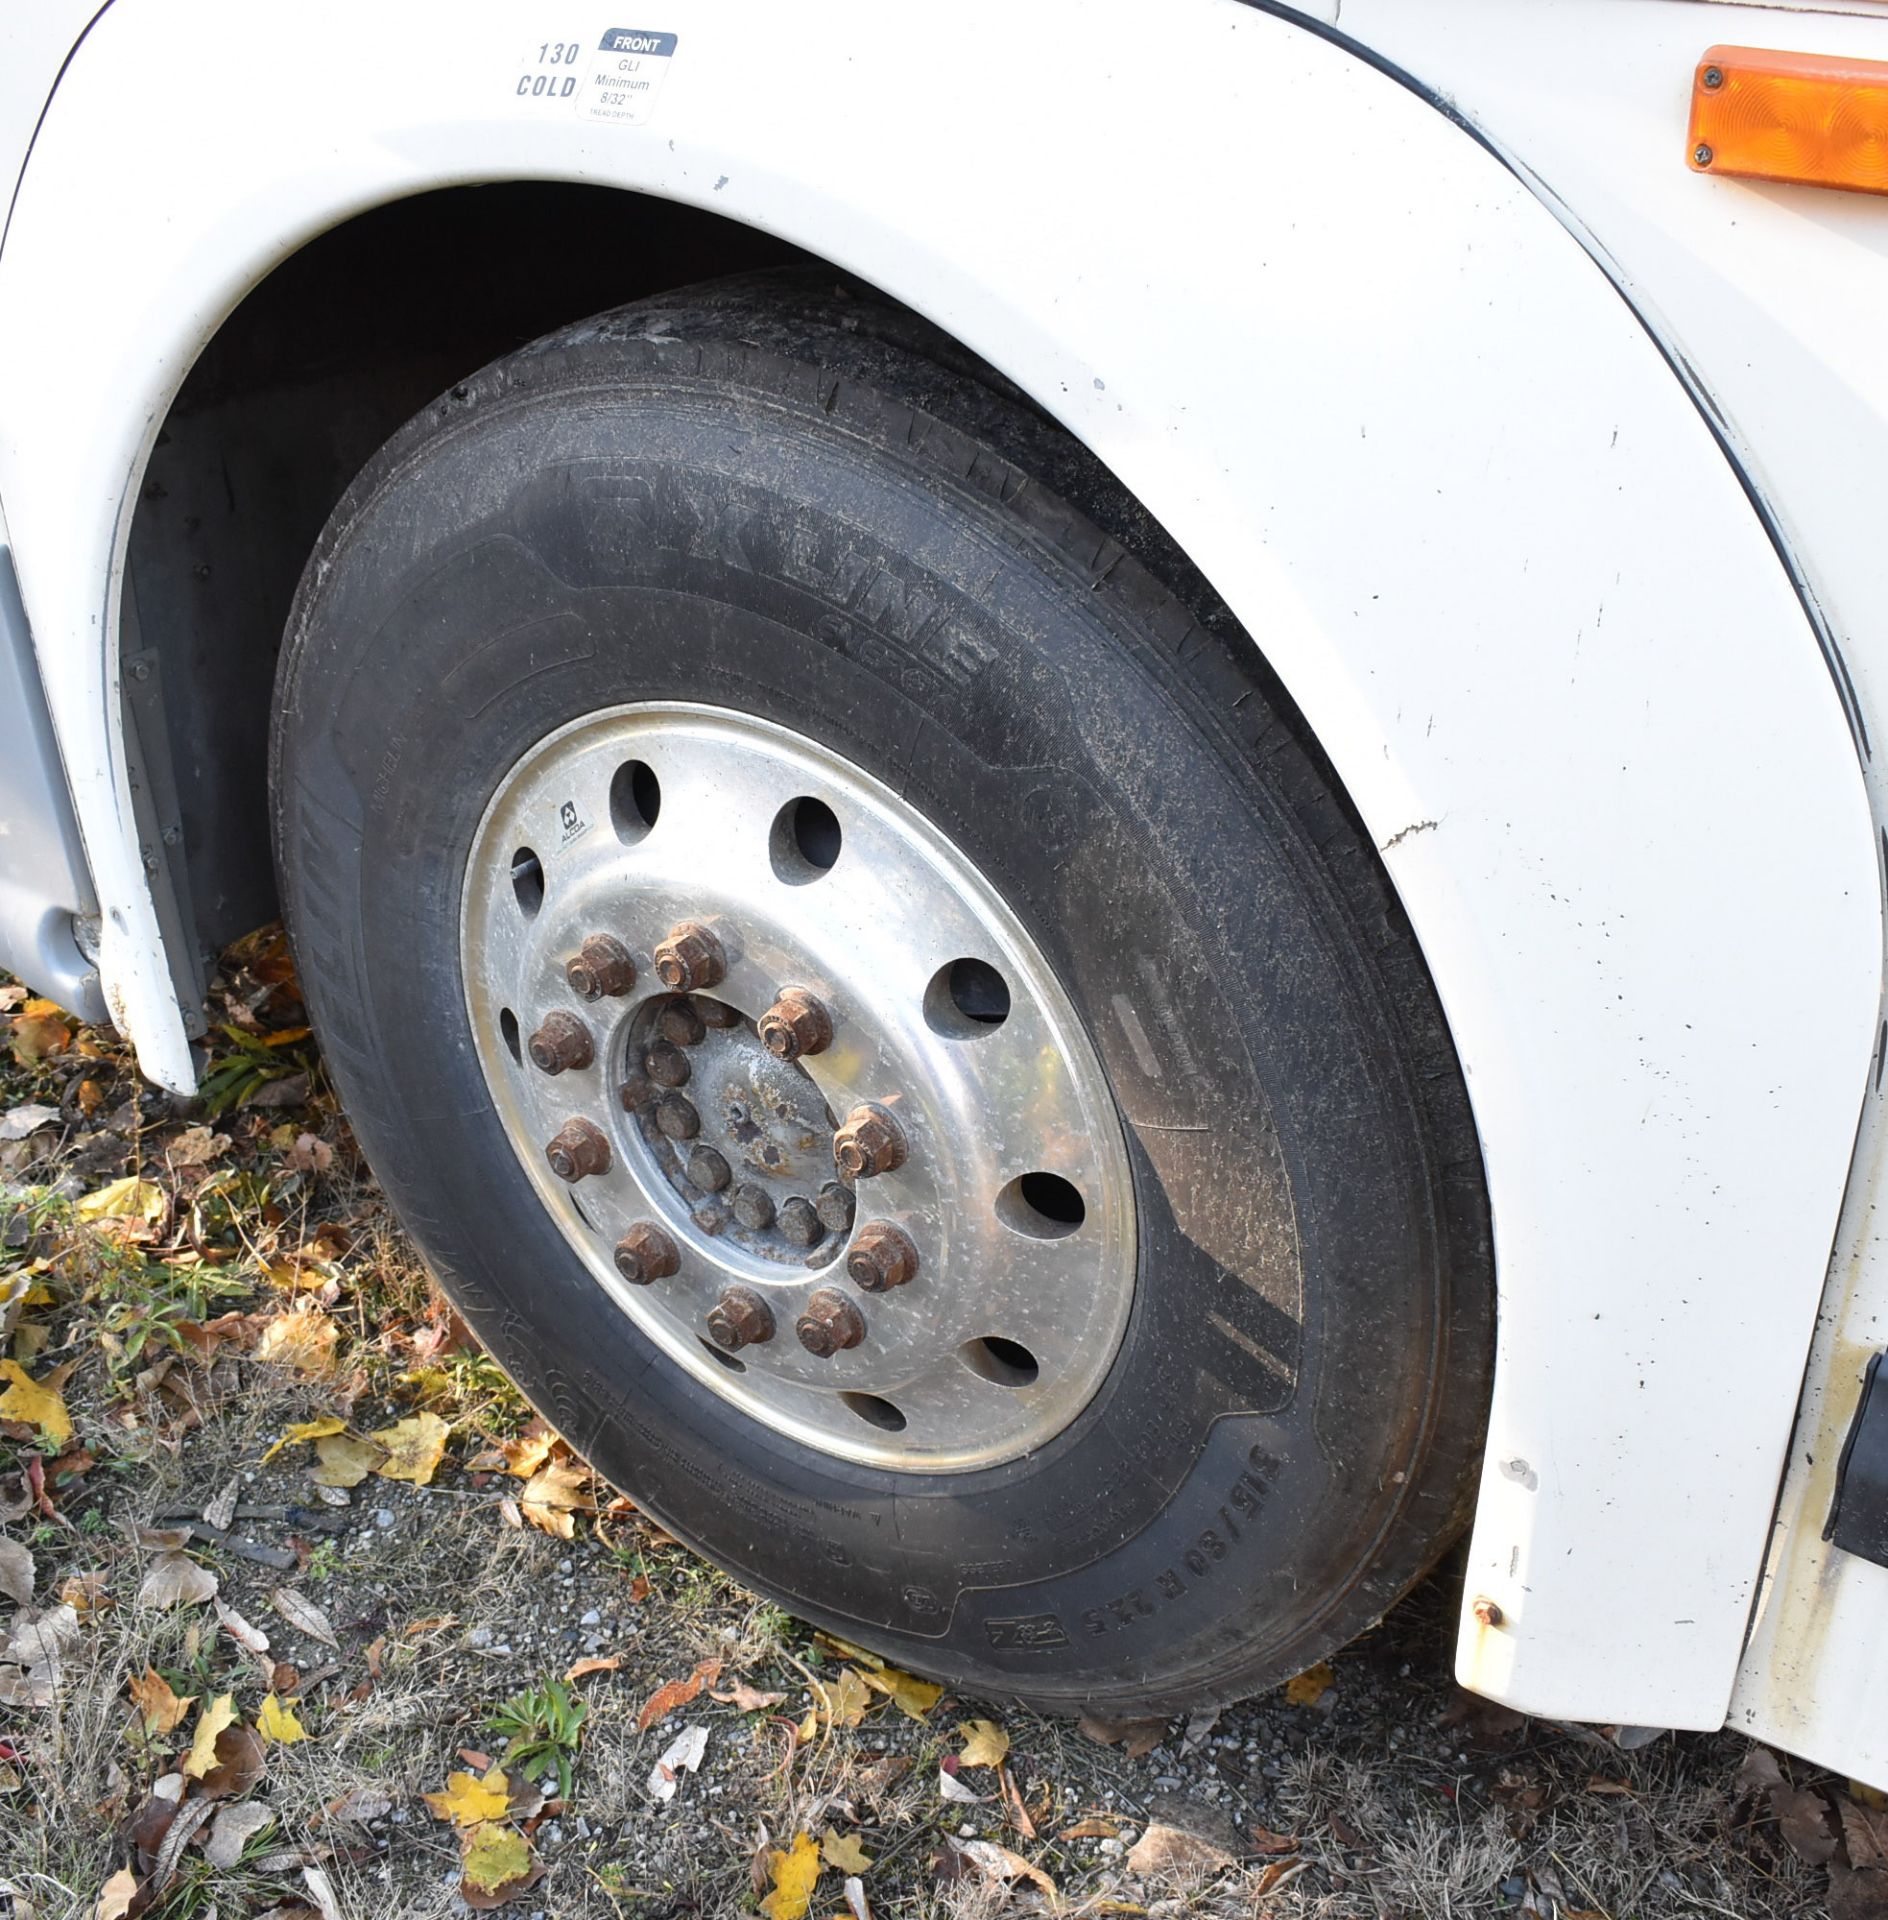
(1811, 118)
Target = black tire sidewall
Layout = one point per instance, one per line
(613, 522)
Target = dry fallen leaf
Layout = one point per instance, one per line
(1162, 1849)
(344, 1461)
(467, 1800)
(126, 1199)
(211, 1720)
(912, 1696)
(1090, 1829)
(250, 1639)
(16, 1573)
(677, 1693)
(496, 1865)
(550, 1495)
(531, 1450)
(682, 1755)
(1865, 1830)
(38, 1406)
(1136, 1738)
(306, 1430)
(239, 1765)
(277, 1722)
(842, 1852)
(748, 1699)
(414, 1447)
(1308, 1688)
(953, 1789)
(116, 1895)
(794, 1874)
(175, 1580)
(235, 1826)
(845, 1700)
(985, 1744)
(196, 1147)
(999, 1864)
(594, 1663)
(303, 1341)
(304, 1616)
(161, 1709)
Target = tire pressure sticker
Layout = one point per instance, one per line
(624, 73)
(613, 76)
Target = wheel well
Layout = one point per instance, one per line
(309, 375)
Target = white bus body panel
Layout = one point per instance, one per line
(1410, 432)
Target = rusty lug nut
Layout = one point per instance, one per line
(740, 1318)
(676, 1117)
(871, 1142)
(666, 1065)
(646, 1253)
(796, 1023)
(754, 1208)
(707, 1170)
(561, 1044)
(576, 1149)
(690, 958)
(1487, 1612)
(800, 1223)
(603, 966)
(881, 1257)
(830, 1323)
(835, 1207)
(681, 1025)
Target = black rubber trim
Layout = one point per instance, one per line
(13, 199)
(1687, 376)
(1858, 1516)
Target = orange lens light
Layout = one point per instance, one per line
(1811, 118)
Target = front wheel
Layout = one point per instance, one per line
(874, 1014)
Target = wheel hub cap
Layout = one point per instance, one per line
(833, 1112)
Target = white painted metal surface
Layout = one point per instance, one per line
(1413, 436)
(1774, 296)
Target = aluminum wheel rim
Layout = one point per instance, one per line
(1012, 1197)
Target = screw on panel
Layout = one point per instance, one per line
(797, 1023)
(881, 1257)
(561, 1044)
(1702, 154)
(740, 1318)
(1488, 1612)
(646, 1253)
(689, 958)
(603, 966)
(754, 1208)
(800, 1224)
(577, 1149)
(870, 1143)
(1713, 78)
(830, 1324)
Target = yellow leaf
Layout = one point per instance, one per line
(126, 1199)
(547, 1498)
(345, 1461)
(211, 1720)
(467, 1799)
(808, 1727)
(277, 1722)
(40, 1406)
(1309, 1687)
(525, 1455)
(302, 1341)
(909, 1694)
(495, 1857)
(306, 1430)
(794, 1874)
(985, 1744)
(162, 1710)
(842, 1851)
(414, 1447)
(116, 1895)
(846, 1700)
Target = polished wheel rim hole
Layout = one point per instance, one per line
(1042, 1205)
(805, 841)
(527, 881)
(1005, 1363)
(725, 1361)
(508, 1032)
(966, 1000)
(875, 1412)
(635, 800)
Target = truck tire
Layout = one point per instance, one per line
(875, 1011)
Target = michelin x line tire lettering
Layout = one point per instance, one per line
(874, 1011)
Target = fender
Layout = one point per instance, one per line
(1416, 440)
